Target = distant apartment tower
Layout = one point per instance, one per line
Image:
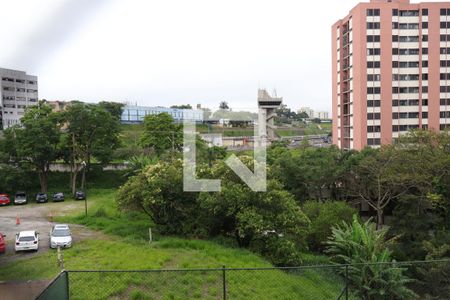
(18, 90)
(390, 72)
(308, 111)
(58, 105)
(321, 115)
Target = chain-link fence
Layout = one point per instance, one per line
(427, 280)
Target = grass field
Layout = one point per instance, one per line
(125, 247)
(172, 253)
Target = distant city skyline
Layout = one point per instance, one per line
(174, 52)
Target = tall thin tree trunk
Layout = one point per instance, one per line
(379, 218)
(43, 181)
(74, 179)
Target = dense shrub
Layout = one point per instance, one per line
(323, 216)
(270, 223)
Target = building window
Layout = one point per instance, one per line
(374, 142)
(424, 89)
(405, 90)
(408, 51)
(424, 25)
(444, 76)
(405, 115)
(373, 90)
(373, 25)
(373, 64)
(424, 102)
(424, 115)
(373, 38)
(444, 50)
(373, 77)
(443, 12)
(404, 64)
(444, 114)
(425, 38)
(424, 12)
(374, 51)
(373, 103)
(408, 39)
(424, 50)
(373, 128)
(405, 77)
(373, 116)
(424, 63)
(395, 12)
(395, 38)
(409, 13)
(408, 25)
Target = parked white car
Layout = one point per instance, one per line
(61, 236)
(27, 240)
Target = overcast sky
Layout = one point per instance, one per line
(174, 51)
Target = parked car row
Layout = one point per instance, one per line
(21, 197)
(60, 236)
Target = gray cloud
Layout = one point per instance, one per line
(46, 38)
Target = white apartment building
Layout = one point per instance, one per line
(307, 110)
(321, 115)
(18, 90)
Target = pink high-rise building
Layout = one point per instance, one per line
(391, 71)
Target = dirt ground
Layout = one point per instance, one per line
(37, 217)
(22, 290)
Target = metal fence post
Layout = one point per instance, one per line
(346, 282)
(224, 281)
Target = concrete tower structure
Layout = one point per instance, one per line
(267, 105)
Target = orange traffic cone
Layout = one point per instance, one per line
(17, 220)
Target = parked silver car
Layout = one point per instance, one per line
(20, 198)
(60, 236)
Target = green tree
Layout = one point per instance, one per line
(37, 140)
(323, 216)
(183, 106)
(310, 173)
(381, 177)
(91, 131)
(224, 105)
(114, 108)
(161, 133)
(158, 191)
(137, 164)
(302, 115)
(271, 222)
(372, 274)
